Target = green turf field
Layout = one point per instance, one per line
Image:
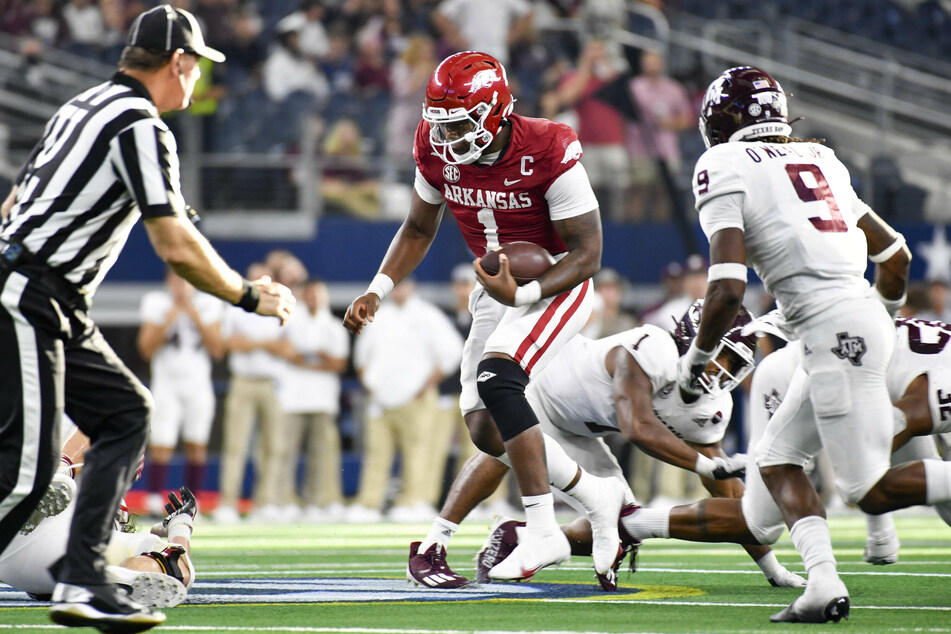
(344, 578)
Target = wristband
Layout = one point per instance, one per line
(528, 294)
(697, 357)
(727, 271)
(888, 251)
(381, 285)
(250, 298)
(180, 526)
(704, 466)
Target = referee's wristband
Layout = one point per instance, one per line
(381, 285)
(528, 294)
(250, 298)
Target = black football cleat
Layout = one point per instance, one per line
(103, 607)
(431, 570)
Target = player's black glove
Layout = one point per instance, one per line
(187, 505)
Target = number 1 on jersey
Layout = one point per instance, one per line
(487, 218)
(821, 191)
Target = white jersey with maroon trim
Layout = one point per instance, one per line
(921, 347)
(576, 391)
(513, 198)
(798, 215)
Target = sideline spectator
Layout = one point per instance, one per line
(693, 286)
(665, 110)
(400, 361)
(609, 285)
(409, 78)
(180, 335)
(253, 345)
(470, 25)
(600, 125)
(309, 394)
(287, 71)
(347, 184)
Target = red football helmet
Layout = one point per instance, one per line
(467, 99)
(742, 346)
(741, 104)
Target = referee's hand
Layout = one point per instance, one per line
(276, 299)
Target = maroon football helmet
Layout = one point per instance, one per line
(743, 103)
(742, 346)
(467, 99)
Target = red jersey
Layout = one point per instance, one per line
(505, 202)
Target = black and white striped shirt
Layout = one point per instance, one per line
(105, 159)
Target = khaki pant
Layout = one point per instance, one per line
(322, 484)
(408, 429)
(249, 398)
(651, 478)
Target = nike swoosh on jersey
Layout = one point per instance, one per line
(508, 182)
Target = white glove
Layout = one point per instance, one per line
(720, 468)
(772, 323)
(689, 369)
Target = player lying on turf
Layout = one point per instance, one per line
(918, 374)
(624, 383)
(153, 567)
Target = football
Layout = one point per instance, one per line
(526, 261)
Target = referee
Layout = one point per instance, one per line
(104, 160)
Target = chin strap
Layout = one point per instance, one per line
(168, 561)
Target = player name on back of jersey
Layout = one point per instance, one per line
(486, 198)
(801, 150)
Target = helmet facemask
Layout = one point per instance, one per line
(740, 348)
(725, 378)
(454, 127)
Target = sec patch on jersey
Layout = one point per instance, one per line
(527, 261)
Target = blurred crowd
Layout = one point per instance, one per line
(353, 73)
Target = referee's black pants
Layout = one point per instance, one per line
(53, 358)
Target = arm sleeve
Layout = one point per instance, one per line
(859, 207)
(570, 194)
(145, 157)
(723, 212)
(426, 191)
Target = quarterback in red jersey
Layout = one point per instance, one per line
(505, 178)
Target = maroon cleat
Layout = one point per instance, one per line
(431, 570)
(628, 545)
(500, 543)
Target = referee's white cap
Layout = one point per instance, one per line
(165, 28)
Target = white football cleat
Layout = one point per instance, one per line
(786, 579)
(152, 589)
(882, 551)
(58, 495)
(534, 552)
(603, 512)
(817, 605)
